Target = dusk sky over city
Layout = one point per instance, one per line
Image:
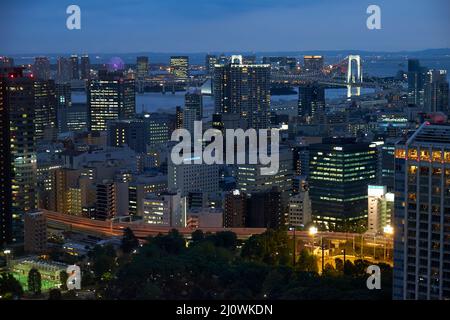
(222, 25)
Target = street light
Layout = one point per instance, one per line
(295, 247)
(7, 253)
(388, 230)
(312, 232)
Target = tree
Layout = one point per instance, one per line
(10, 287)
(339, 265)
(63, 276)
(129, 241)
(54, 294)
(104, 260)
(349, 268)
(329, 271)
(172, 243)
(197, 236)
(34, 281)
(307, 262)
(225, 239)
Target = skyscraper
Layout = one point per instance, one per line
(416, 81)
(75, 67)
(210, 61)
(380, 208)
(17, 106)
(111, 97)
(311, 102)
(313, 64)
(436, 92)
(45, 115)
(266, 210)
(340, 171)
(250, 180)
(243, 89)
(142, 67)
(63, 70)
(85, 67)
(41, 68)
(235, 212)
(63, 103)
(157, 128)
(127, 132)
(179, 66)
(193, 109)
(5, 165)
(193, 177)
(422, 214)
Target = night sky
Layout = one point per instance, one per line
(113, 26)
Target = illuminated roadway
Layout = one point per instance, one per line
(141, 230)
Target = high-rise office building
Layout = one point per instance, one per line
(45, 112)
(380, 208)
(243, 89)
(131, 133)
(63, 70)
(157, 129)
(311, 103)
(6, 174)
(74, 67)
(250, 180)
(288, 64)
(35, 230)
(416, 82)
(41, 68)
(210, 61)
(422, 214)
(142, 67)
(111, 97)
(167, 209)
(235, 212)
(193, 177)
(387, 163)
(75, 118)
(340, 171)
(105, 206)
(436, 92)
(299, 209)
(193, 109)
(266, 210)
(18, 104)
(313, 64)
(85, 67)
(178, 117)
(179, 67)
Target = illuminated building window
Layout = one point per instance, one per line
(400, 153)
(412, 154)
(424, 155)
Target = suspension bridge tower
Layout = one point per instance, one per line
(354, 77)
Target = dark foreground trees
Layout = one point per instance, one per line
(10, 288)
(212, 267)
